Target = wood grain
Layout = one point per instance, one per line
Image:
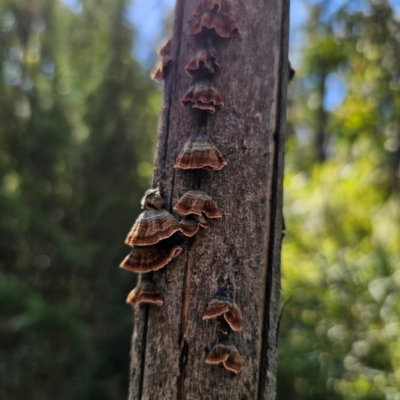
(170, 343)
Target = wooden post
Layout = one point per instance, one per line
(170, 343)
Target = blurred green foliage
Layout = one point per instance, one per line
(78, 122)
(341, 253)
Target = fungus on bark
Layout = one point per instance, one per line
(197, 202)
(217, 6)
(152, 226)
(203, 96)
(227, 353)
(201, 220)
(206, 60)
(222, 305)
(189, 226)
(160, 72)
(224, 25)
(152, 199)
(143, 259)
(145, 292)
(200, 152)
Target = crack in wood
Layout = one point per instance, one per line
(276, 211)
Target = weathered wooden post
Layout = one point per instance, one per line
(241, 249)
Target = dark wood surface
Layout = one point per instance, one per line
(170, 342)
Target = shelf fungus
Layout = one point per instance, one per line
(143, 259)
(152, 199)
(145, 292)
(200, 152)
(227, 353)
(189, 226)
(217, 6)
(152, 226)
(222, 305)
(203, 96)
(204, 61)
(201, 220)
(159, 73)
(223, 24)
(197, 202)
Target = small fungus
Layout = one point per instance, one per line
(197, 202)
(152, 226)
(224, 25)
(201, 220)
(189, 226)
(203, 96)
(200, 152)
(222, 304)
(152, 199)
(150, 258)
(226, 352)
(217, 6)
(159, 73)
(145, 292)
(204, 61)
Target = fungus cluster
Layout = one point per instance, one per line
(151, 248)
(160, 71)
(153, 234)
(222, 307)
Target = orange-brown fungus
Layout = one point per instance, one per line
(145, 292)
(200, 152)
(197, 202)
(205, 60)
(150, 258)
(203, 96)
(152, 226)
(224, 25)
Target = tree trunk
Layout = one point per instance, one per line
(170, 343)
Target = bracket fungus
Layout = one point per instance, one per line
(152, 199)
(201, 220)
(150, 258)
(197, 202)
(217, 6)
(160, 72)
(200, 152)
(205, 60)
(145, 292)
(189, 226)
(222, 305)
(203, 96)
(227, 353)
(223, 24)
(152, 226)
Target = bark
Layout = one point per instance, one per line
(170, 342)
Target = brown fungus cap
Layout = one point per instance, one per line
(201, 220)
(145, 292)
(226, 352)
(200, 152)
(152, 226)
(224, 25)
(205, 60)
(189, 226)
(215, 308)
(159, 73)
(216, 6)
(234, 317)
(203, 96)
(197, 202)
(150, 258)
(152, 199)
